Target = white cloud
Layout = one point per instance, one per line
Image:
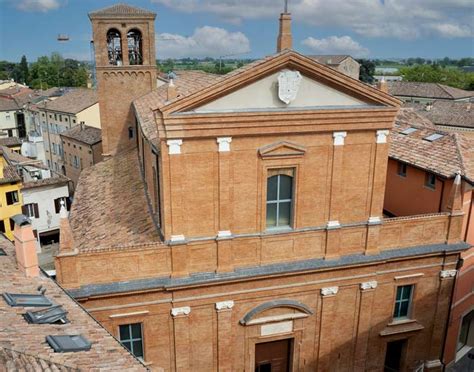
(404, 19)
(206, 41)
(37, 5)
(336, 45)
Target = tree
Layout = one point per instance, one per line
(367, 70)
(451, 76)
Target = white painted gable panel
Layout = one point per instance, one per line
(263, 94)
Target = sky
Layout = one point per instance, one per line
(249, 28)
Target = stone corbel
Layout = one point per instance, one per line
(224, 143)
(339, 138)
(382, 136)
(174, 146)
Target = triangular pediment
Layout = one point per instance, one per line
(257, 87)
(281, 149)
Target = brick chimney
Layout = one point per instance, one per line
(66, 242)
(455, 199)
(285, 39)
(382, 85)
(25, 246)
(171, 93)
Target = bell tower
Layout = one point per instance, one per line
(124, 43)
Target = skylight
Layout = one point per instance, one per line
(2, 252)
(408, 130)
(64, 344)
(36, 300)
(433, 137)
(50, 315)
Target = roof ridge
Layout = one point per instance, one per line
(460, 154)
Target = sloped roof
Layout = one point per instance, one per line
(449, 113)
(10, 174)
(120, 10)
(10, 141)
(445, 156)
(57, 180)
(330, 59)
(85, 134)
(23, 345)
(72, 102)
(426, 90)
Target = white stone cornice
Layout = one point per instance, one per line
(223, 234)
(224, 305)
(224, 143)
(382, 136)
(177, 238)
(174, 146)
(368, 285)
(333, 225)
(448, 273)
(339, 138)
(374, 221)
(329, 291)
(177, 311)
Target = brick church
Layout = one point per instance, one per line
(237, 223)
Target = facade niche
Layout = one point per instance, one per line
(114, 47)
(134, 41)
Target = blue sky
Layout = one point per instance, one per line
(248, 28)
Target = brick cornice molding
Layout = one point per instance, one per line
(180, 311)
(445, 274)
(224, 305)
(329, 291)
(368, 285)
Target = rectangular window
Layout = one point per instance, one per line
(403, 302)
(402, 169)
(466, 330)
(131, 337)
(57, 203)
(430, 181)
(2, 227)
(279, 198)
(30, 210)
(12, 197)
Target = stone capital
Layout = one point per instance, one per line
(368, 285)
(339, 138)
(224, 305)
(447, 274)
(177, 311)
(382, 136)
(329, 291)
(224, 143)
(174, 146)
(374, 221)
(333, 225)
(224, 234)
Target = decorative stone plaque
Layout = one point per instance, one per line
(288, 85)
(275, 328)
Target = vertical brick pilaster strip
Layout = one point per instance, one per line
(181, 338)
(177, 177)
(224, 335)
(328, 322)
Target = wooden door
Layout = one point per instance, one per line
(273, 356)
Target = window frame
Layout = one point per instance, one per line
(469, 317)
(278, 172)
(13, 192)
(131, 340)
(431, 186)
(410, 303)
(402, 169)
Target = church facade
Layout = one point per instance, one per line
(238, 225)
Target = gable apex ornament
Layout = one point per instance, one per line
(288, 85)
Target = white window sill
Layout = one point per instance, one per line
(401, 321)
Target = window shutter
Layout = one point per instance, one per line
(35, 206)
(24, 210)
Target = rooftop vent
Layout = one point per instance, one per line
(36, 300)
(51, 315)
(408, 130)
(433, 137)
(65, 344)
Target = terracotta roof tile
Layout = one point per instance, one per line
(59, 179)
(73, 101)
(427, 90)
(335, 59)
(23, 345)
(10, 141)
(86, 134)
(121, 9)
(10, 174)
(99, 217)
(449, 113)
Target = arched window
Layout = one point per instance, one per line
(134, 40)
(114, 47)
(279, 198)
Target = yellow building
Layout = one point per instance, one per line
(10, 196)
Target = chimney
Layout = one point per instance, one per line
(25, 246)
(172, 93)
(429, 106)
(82, 124)
(285, 40)
(455, 199)
(65, 233)
(382, 85)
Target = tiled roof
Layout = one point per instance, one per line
(426, 90)
(15, 158)
(121, 9)
(445, 156)
(23, 346)
(73, 101)
(10, 174)
(100, 218)
(10, 141)
(86, 134)
(58, 180)
(449, 113)
(335, 59)
(15, 98)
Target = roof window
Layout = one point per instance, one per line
(36, 300)
(2, 252)
(70, 343)
(433, 137)
(408, 130)
(50, 315)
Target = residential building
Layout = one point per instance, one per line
(13, 143)
(42, 328)
(82, 146)
(343, 63)
(241, 226)
(63, 113)
(426, 165)
(10, 194)
(415, 92)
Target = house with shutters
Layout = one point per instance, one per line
(236, 223)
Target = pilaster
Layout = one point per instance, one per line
(367, 292)
(328, 306)
(224, 335)
(181, 337)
